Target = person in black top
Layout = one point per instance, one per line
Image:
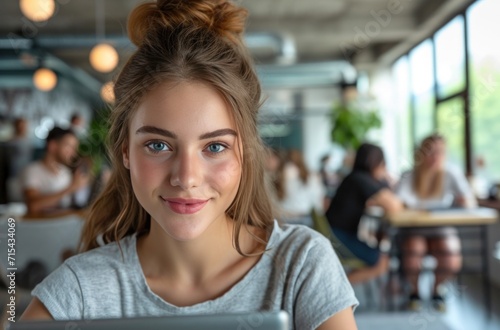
(366, 185)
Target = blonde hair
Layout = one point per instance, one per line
(421, 188)
(295, 157)
(184, 40)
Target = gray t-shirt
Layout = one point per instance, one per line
(300, 273)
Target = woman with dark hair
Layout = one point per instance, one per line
(366, 185)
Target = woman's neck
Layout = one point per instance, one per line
(191, 262)
(187, 273)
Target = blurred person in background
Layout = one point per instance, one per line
(432, 184)
(49, 183)
(299, 190)
(20, 147)
(19, 155)
(77, 125)
(366, 185)
(329, 178)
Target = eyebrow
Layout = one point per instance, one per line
(219, 132)
(169, 134)
(156, 130)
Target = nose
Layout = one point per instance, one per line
(186, 171)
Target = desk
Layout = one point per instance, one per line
(478, 217)
(452, 217)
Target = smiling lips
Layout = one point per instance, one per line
(185, 206)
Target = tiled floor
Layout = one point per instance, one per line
(465, 309)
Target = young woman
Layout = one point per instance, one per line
(366, 185)
(431, 185)
(186, 218)
(298, 190)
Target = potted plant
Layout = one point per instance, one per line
(351, 125)
(93, 145)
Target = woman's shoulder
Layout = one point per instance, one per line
(406, 177)
(296, 240)
(358, 176)
(92, 283)
(454, 171)
(111, 255)
(358, 180)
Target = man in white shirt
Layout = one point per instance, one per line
(49, 183)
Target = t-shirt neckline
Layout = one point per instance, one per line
(232, 292)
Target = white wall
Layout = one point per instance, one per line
(316, 125)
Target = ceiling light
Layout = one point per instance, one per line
(45, 79)
(103, 58)
(37, 10)
(107, 92)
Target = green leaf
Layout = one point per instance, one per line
(350, 125)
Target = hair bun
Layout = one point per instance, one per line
(220, 16)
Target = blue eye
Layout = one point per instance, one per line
(216, 148)
(157, 146)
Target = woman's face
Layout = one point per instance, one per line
(184, 158)
(434, 155)
(380, 171)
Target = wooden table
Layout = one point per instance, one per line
(479, 217)
(451, 217)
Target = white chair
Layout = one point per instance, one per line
(41, 240)
(36, 240)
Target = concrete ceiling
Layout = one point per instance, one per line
(364, 33)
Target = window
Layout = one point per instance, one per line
(450, 123)
(401, 74)
(422, 88)
(483, 26)
(450, 58)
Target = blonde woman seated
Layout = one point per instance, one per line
(432, 185)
